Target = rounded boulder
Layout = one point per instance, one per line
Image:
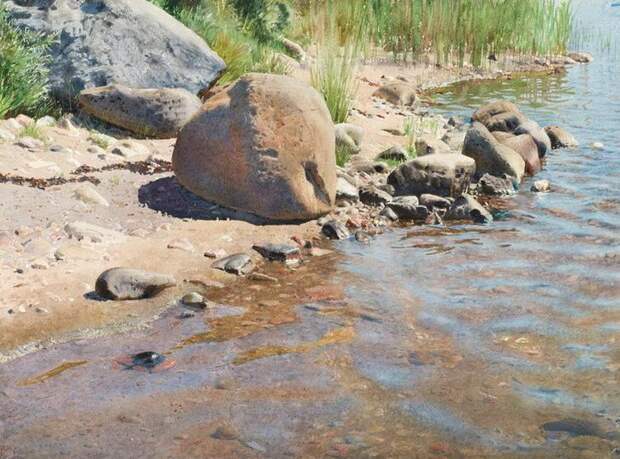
(265, 146)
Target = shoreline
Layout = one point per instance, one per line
(79, 317)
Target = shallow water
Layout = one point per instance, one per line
(456, 341)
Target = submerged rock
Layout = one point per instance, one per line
(333, 229)
(131, 284)
(560, 138)
(439, 174)
(237, 151)
(541, 186)
(491, 156)
(466, 207)
(159, 113)
(239, 264)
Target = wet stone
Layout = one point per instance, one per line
(145, 361)
(541, 186)
(279, 252)
(335, 230)
(466, 207)
(496, 186)
(575, 427)
(389, 214)
(239, 264)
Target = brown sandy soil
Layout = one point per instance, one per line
(46, 276)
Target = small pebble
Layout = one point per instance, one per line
(194, 299)
(541, 186)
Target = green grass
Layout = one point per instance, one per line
(453, 30)
(343, 155)
(32, 130)
(23, 71)
(99, 140)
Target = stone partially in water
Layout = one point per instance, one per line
(409, 208)
(466, 207)
(239, 264)
(541, 186)
(538, 134)
(560, 138)
(496, 186)
(131, 284)
(335, 230)
(576, 427)
(279, 252)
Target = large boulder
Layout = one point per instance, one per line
(491, 156)
(439, 174)
(129, 42)
(543, 142)
(486, 112)
(265, 146)
(159, 113)
(505, 122)
(526, 147)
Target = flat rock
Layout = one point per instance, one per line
(159, 113)
(128, 42)
(439, 174)
(397, 93)
(279, 252)
(239, 264)
(131, 284)
(346, 192)
(466, 207)
(491, 156)
(560, 138)
(30, 143)
(408, 208)
(86, 231)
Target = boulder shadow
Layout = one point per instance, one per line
(166, 195)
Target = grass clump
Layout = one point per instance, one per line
(32, 130)
(343, 155)
(100, 140)
(23, 71)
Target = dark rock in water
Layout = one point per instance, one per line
(239, 264)
(439, 174)
(395, 153)
(362, 236)
(575, 427)
(435, 202)
(147, 359)
(560, 138)
(467, 208)
(373, 196)
(408, 208)
(389, 214)
(279, 252)
(496, 186)
(335, 230)
(131, 284)
(131, 42)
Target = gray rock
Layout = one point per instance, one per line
(439, 174)
(335, 230)
(389, 214)
(487, 111)
(496, 186)
(372, 196)
(159, 113)
(467, 208)
(279, 252)
(395, 153)
(397, 93)
(194, 300)
(435, 202)
(349, 136)
(543, 142)
(46, 121)
(346, 192)
(506, 121)
(491, 156)
(560, 138)
(129, 42)
(131, 284)
(427, 144)
(239, 264)
(408, 208)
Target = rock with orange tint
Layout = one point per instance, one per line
(265, 146)
(525, 145)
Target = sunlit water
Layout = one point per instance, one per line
(458, 341)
